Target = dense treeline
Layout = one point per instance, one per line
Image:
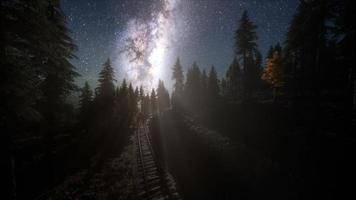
(36, 77)
(314, 64)
(296, 109)
(199, 89)
(307, 83)
(44, 137)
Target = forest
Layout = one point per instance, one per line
(280, 126)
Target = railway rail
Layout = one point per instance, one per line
(153, 181)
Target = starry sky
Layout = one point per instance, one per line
(203, 31)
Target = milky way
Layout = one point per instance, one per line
(143, 38)
(146, 43)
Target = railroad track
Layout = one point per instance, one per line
(153, 181)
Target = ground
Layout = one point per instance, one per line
(208, 165)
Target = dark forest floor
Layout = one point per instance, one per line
(276, 157)
(259, 155)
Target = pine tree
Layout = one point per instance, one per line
(106, 88)
(234, 80)
(86, 105)
(223, 87)
(162, 97)
(122, 105)
(58, 76)
(124, 86)
(305, 45)
(86, 97)
(137, 93)
(178, 77)
(46, 75)
(213, 84)
(141, 97)
(258, 61)
(345, 26)
(153, 101)
(59, 73)
(192, 88)
(204, 84)
(36, 75)
(245, 38)
(142, 92)
(122, 93)
(132, 101)
(256, 71)
(245, 46)
(145, 107)
(131, 91)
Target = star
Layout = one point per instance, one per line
(204, 30)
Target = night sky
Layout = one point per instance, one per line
(194, 30)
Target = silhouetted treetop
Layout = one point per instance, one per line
(106, 87)
(245, 36)
(178, 77)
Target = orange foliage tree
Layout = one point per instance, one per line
(273, 73)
